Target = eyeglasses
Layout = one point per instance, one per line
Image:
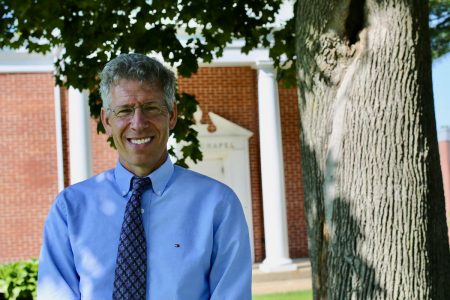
(149, 109)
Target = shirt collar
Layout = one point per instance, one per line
(159, 177)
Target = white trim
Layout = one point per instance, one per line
(233, 57)
(17, 61)
(26, 69)
(59, 142)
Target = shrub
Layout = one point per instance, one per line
(18, 280)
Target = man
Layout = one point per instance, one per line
(146, 229)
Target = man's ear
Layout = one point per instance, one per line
(105, 121)
(173, 116)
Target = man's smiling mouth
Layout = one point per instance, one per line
(140, 141)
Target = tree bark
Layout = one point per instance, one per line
(373, 186)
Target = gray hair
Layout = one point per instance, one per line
(139, 67)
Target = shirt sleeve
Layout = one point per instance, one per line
(231, 270)
(57, 276)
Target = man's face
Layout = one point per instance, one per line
(141, 139)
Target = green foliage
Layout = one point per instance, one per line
(90, 33)
(282, 51)
(18, 280)
(440, 27)
(187, 105)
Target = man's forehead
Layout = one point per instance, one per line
(145, 84)
(130, 91)
(135, 87)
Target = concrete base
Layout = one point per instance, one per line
(281, 282)
(278, 266)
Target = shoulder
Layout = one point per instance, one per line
(88, 187)
(204, 187)
(197, 180)
(209, 196)
(96, 181)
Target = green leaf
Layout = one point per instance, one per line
(92, 32)
(18, 280)
(440, 27)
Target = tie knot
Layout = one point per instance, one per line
(139, 184)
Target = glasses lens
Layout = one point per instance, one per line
(123, 111)
(152, 109)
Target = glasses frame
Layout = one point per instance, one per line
(163, 110)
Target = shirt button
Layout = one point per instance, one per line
(142, 210)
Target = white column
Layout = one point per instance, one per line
(59, 143)
(79, 136)
(272, 173)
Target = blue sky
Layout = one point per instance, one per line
(441, 90)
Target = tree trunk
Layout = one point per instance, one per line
(373, 186)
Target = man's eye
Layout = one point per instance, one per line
(124, 111)
(152, 108)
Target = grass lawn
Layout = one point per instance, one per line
(302, 295)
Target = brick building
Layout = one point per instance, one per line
(444, 153)
(48, 142)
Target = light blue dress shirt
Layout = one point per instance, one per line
(197, 238)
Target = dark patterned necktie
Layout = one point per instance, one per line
(131, 264)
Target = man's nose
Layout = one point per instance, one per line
(139, 120)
